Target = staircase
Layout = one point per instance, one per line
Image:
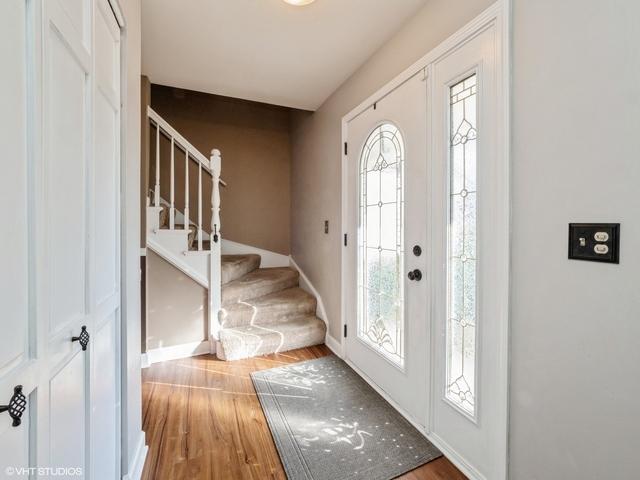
(264, 310)
(252, 310)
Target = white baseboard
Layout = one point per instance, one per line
(307, 286)
(175, 352)
(137, 462)
(334, 345)
(446, 449)
(269, 259)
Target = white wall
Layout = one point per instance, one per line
(575, 374)
(132, 435)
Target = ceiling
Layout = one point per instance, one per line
(265, 50)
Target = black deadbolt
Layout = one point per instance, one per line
(417, 251)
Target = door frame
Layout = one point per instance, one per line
(499, 15)
(132, 452)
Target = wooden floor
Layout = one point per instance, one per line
(203, 421)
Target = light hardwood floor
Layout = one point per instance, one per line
(203, 421)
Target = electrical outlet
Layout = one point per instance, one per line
(594, 242)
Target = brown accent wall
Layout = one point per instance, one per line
(256, 162)
(177, 306)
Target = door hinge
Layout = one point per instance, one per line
(345, 331)
(345, 148)
(345, 239)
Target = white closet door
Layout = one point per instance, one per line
(17, 335)
(60, 131)
(106, 247)
(63, 236)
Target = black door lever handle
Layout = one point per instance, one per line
(415, 275)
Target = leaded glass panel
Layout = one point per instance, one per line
(381, 243)
(462, 247)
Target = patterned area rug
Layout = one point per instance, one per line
(329, 424)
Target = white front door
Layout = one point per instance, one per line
(60, 120)
(387, 329)
(426, 166)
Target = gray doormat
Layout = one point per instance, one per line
(328, 423)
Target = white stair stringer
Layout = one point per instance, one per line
(172, 245)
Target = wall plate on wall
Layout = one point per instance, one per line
(595, 242)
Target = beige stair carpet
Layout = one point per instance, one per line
(264, 311)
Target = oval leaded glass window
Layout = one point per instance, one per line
(380, 243)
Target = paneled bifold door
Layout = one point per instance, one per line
(60, 281)
(425, 199)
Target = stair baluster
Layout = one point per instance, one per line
(172, 209)
(186, 189)
(199, 207)
(156, 191)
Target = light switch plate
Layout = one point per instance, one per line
(594, 242)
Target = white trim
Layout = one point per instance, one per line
(143, 252)
(137, 462)
(446, 449)
(499, 14)
(476, 25)
(194, 153)
(307, 286)
(117, 12)
(334, 345)
(179, 139)
(268, 258)
(174, 260)
(175, 352)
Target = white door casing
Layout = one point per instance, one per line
(400, 376)
(475, 439)
(60, 245)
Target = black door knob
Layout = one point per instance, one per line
(16, 407)
(415, 275)
(83, 338)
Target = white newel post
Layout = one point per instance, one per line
(215, 269)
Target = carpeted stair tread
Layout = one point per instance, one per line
(258, 283)
(268, 309)
(252, 340)
(236, 266)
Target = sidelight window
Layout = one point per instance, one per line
(462, 247)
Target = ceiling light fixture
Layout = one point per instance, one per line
(299, 3)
